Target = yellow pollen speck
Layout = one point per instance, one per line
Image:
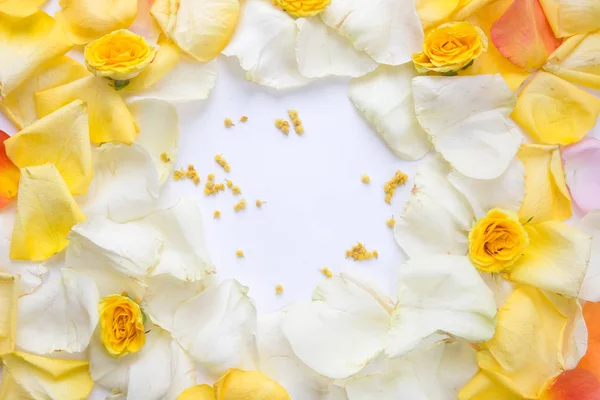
(217, 214)
(282, 125)
(278, 290)
(178, 174)
(327, 272)
(211, 177)
(259, 203)
(228, 123)
(298, 127)
(236, 190)
(164, 157)
(244, 119)
(222, 162)
(196, 180)
(391, 222)
(239, 253)
(360, 253)
(390, 186)
(229, 183)
(240, 205)
(211, 188)
(366, 179)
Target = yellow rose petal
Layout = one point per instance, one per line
(46, 212)
(546, 193)
(198, 392)
(19, 105)
(9, 293)
(86, 20)
(109, 118)
(568, 17)
(25, 44)
(525, 354)
(577, 60)
(61, 138)
(248, 385)
(201, 28)
(554, 111)
(483, 387)
(431, 12)
(166, 58)
(36, 377)
(20, 8)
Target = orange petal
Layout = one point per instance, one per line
(591, 360)
(9, 174)
(577, 384)
(523, 35)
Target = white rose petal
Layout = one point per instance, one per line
(590, 289)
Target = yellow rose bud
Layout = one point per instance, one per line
(497, 241)
(120, 55)
(248, 385)
(302, 8)
(121, 325)
(450, 48)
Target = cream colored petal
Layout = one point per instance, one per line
(61, 138)
(568, 17)
(25, 44)
(506, 191)
(440, 294)
(159, 133)
(467, 119)
(9, 292)
(342, 329)
(499, 286)
(546, 193)
(201, 28)
(19, 105)
(554, 111)
(387, 30)
(46, 211)
(109, 119)
(555, 259)
(321, 52)
(183, 372)
(217, 327)
(577, 60)
(46, 378)
(267, 55)
(385, 99)
(431, 12)
(144, 24)
(86, 20)
(60, 315)
(437, 218)
(590, 225)
(20, 8)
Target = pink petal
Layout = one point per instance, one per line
(582, 172)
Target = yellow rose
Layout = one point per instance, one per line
(121, 325)
(302, 8)
(450, 48)
(120, 55)
(497, 241)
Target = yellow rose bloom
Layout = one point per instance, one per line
(497, 241)
(120, 55)
(302, 8)
(121, 325)
(450, 48)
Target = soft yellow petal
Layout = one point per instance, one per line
(248, 385)
(554, 111)
(9, 292)
(109, 118)
(19, 105)
(47, 378)
(46, 212)
(198, 392)
(10, 390)
(166, 58)
(86, 20)
(201, 28)
(432, 12)
(20, 8)
(546, 193)
(577, 60)
(467, 8)
(525, 354)
(568, 17)
(61, 138)
(26, 44)
(483, 387)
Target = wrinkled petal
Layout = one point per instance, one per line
(20, 8)
(60, 315)
(267, 55)
(25, 44)
(582, 173)
(61, 138)
(9, 292)
(217, 327)
(385, 99)
(9, 174)
(471, 111)
(575, 341)
(554, 111)
(523, 35)
(433, 11)
(437, 218)
(546, 193)
(321, 52)
(342, 329)
(577, 60)
(440, 295)
(387, 30)
(159, 133)
(590, 289)
(86, 20)
(34, 377)
(109, 119)
(19, 105)
(46, 211)
(568, 17)
(201, 28)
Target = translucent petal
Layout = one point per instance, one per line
(568, 17)
(590, 289)
(577, 60)
(582, 173)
